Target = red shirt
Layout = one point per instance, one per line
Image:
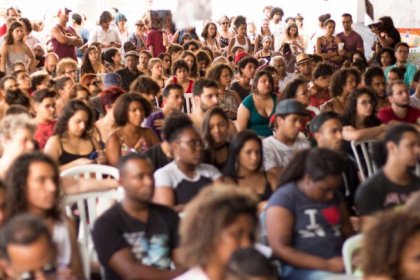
(43, 133)
(3, 30)
(155, 39)
(386, 115)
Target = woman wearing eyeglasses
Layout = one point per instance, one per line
(224, 34)
(92, 83)
(179, 181)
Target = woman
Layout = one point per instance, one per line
(180, 76)
(307, 221)
(244, 164)
(393, 240)
(327, 46)
(209, 35)
(80, 92)
(219, 221)
(265, 32)
(386, 35)
(130, 110)
(181, 180)
(121, 21)
(224, 34)
(112, 60)
(240, 39)
(191, 60)
(14, 49)
(178, 36)
(229, 100)
(155, 71)
(34, 187)
(385, 57)
(72, 143)
(343, 82)
(166, 64)
(247, 67)
(30, 39)
(293, 38)
(92, 82)
(215, 130)
(266, 51)
(359, 117)
(91, 62)
(255, 111)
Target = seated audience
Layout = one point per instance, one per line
(45, 115)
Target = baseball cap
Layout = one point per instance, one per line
(320, 119)
(290, 106)
(112, 79)
(131, 53)
(64, 10)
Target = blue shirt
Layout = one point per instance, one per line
(409, 72)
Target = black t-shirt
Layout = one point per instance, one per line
(243, 92)
(379, 193)
(151, 244)
(394, 34)
(127, 77)
(157, 156)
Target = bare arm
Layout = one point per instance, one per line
(75, 262)
(3, 55)
(230, 46)
(320, 53)
(32, 61)
(113, 149)
(82, 185)
(350, 133)
(164, 195)
(242, 118)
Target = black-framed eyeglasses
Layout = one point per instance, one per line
(48, 270)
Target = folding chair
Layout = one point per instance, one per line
(88, 205)
(349, 247)
(188, 103)
(366, 165)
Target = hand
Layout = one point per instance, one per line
(335, 265)
(342, 53)
(101, 159)
(65, 273)
(158, 123)
(81, 161)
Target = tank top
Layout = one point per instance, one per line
(267, 189)
(190, 84)
(64, 50)
(237, 44)
(67, 157)
(13, 57)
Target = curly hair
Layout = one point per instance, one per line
(391, 53)
(69, 110)
(205, 31)
(17, 180)
(385, 241)
(215, 71)
(122, 104)
(350, 109)
(209, 213)
(291, 89)
(87, 66)
(339, 79)
(258, 76)
(194, 68)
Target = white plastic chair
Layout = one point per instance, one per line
(90, 205)
(368, 168)
(188, 102)
(350, 246)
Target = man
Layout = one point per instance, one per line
(400, 109)
(64, 39)
(63, 85)
(415, 98)
(45, 115)
(138, 37)
(130, 72)
(10, 13)
(105, 34)
(374, 78)
(173, 100)
(137, 237)
(82, 31)
(279, 148)
(205, 96)
(6, 83)
(277, 26)
(304, 67)
(401, 55)
(28, 251)
(50, 64)
(395, 182)
(352, 40)
(327, 129)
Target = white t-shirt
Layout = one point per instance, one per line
(277, 154)
(104, 37)
(277, 29)
(195, 273)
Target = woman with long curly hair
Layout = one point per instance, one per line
(91, 62)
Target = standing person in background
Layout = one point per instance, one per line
(10, 13)
(130, 72)
(65, 39)
(387, 36)
(277, 26)
(352, 40)
(401, 54)
(265, 32)
(138, 37)
(327, 46)
(81, 30)
(225, 34)
(292, 37)
(240, 39)
(105, 34)
(121, 21)
(209, 36)
(155, 41)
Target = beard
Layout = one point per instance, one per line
(402, 105)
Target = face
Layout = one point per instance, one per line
(241, 29)
(175, 100)
(46, 83)
(293, 31)
(166, 62)
(350, 85)
(82, 95)
(330, 135)
(401, 54)
(64, 17)
(41, 188)
(10, 84)
(239, 234)
(323, 82)
(407, 151)
(225, 24)
(131, 62)
(117, 58)
(67, 91)
(212, 30)
(144, 59)
(264, 25)
(305, 68)
(93, 55)
(105, 25)
(392, 77)
(18, 34)
(264, 86)
(385, 59)
(357, 57)
(46, 109)
(225, 78)
(267, 44)
(24, 81)
(208, 99)
(323, 190)
(347, 22)
(157, 69)
(20, 142)
(137, 179)
(378, 85)
(280, 66)
(364, 107)
(135, 113)
(249, 70)
(78, 123)
(140, 27)
(249, 157)
(189, 60)
(51, 63)
(218, 129)
(181, 74)
(189, 147)
(330, 28)
(410, 259)
(302, 94)
(400, 96)
(121, 24)
(94, 85)
(290, 126)
(276, 17)
(35, 259)
(70, 72)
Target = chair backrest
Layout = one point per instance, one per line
(188, 103)
(349, 247)
(364, 160)
(90, 205)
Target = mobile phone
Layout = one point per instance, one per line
(93, 155)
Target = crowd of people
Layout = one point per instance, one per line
(233, 148)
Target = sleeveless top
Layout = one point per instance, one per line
(237, 44)
(13, 57)
(330, 46)
(267, 189)
(67, 157)
(224, 42)
(64, 50)
(190, 85)
(61, 239)
(257, 122)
